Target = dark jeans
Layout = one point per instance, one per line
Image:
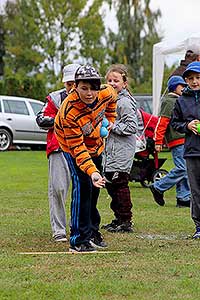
(119, 191)
(85, 218)
(193, 170)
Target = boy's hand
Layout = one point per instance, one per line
(193, 126)
(98, 180)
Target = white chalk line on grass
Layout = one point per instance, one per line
(171, 237)
(69, 252)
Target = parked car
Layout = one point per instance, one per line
(144, 102)
(17, 123)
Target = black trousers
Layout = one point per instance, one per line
(85, 218)
(119, 191)
(193, 170)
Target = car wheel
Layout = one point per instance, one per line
(158, 174)
(5, 139)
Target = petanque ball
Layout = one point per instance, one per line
(105, 122)
(103, 132)
(198, 128)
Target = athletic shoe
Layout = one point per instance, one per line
(123, 227)
(97, 241)
(86, 247)
(158, 196)
(196, 235)
(60, 238)
(113, 224)
(181, 203)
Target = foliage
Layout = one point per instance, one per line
(42, 36)
(132, 45)
(158, 261)
(2, 45)
(92, 35)
(27, 87)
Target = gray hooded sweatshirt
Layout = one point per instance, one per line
(121, 142)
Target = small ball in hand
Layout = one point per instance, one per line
(103, 132)
(198, 128)
(105, 122)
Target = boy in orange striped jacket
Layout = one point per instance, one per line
(77, 128)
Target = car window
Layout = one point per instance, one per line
(144, 102)
(36, 107)
(15, 107)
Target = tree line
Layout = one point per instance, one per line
(39, 37)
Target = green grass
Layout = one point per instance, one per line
(160, 260)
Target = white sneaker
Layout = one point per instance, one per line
(60, 238)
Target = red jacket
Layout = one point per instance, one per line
(45, 118)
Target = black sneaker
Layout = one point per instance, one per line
(97, 241)
(123, 227)
(181, 203)
(158, 196)
(60, 238)
(196, 235)
(87, 247)
(113, 224)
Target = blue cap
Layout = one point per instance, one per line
(174, 81)
(192, 67)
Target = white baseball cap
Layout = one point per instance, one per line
(69, 72)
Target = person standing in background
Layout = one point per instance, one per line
(59, 174)
(120, 150)
(192, 54)
(186, 119)
(175, 142)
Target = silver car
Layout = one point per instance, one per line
(18, 122)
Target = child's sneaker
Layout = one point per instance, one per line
(60, 238)
(123, 227)
(86, 247)
(113, 224)
(196, 235)
(158, 196)
(97, 241)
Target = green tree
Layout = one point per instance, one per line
(92, 36)
(42, 36)
(132, 45)
(2, 45)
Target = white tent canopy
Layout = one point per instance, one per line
(160, 51)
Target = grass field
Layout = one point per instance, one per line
(159, 261)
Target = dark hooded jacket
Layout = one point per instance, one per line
(186, 109)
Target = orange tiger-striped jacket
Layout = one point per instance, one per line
(77, 127)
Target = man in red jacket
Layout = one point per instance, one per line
(59, 174)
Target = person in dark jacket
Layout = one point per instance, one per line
(177, 176)
(185, 117)
(59, 174)
(192, 54)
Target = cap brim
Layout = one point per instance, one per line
(89, 78)
(67, 78)
(196, 70)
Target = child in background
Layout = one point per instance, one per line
(186, 116)
(59, 174)
(120, 150)
(175, 142)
